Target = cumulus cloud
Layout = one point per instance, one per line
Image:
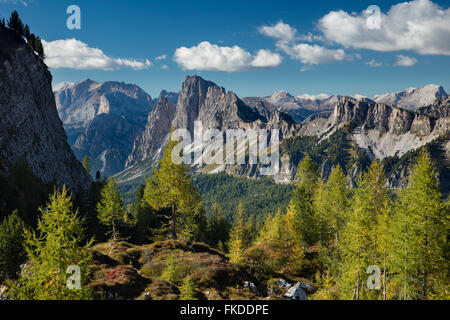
(418, 25)
(290, 42)
(74, 54)
(279, 31)
(161, 57)
(313, 54)
(211, 57)
(405, 61)
(374, 64)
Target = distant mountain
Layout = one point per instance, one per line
(342, 130)
(102, 120)
(31, 133)
(412, 98)
(156, 130)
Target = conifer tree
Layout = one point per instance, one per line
(15, 23)
(187, 289)
(12, 246)
(171, 187)
(110, 208)
(421, 228)
(87, 164)
(238, 238)
(306, 184)
(26, 32)
(58, 245)
(360, 235)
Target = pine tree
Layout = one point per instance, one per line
(15, 23)
(171, 187)
(110, 208)
(421, 228)
(39, 48)
(58, 246)
(360, 235)
(26, 32)
(187, 289)
(238, 238)
(87, 164)
(12, 246)
(306, 184)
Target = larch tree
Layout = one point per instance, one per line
(110, 208)
(421, 231)
(12, 246)
(58, 245)
(87, 164)
(238, 238)
(359, 246)
(302, 197)
(171, 188)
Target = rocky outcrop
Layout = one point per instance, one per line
(158, 126)
(108, 140)
(30, 129)
(102, 120)
(412, 98)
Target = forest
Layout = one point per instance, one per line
(362, 242)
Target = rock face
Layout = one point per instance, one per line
(412, 98)
(30, 129)
(102, 120)
(387, 131)
(158, 127)
(370, 129)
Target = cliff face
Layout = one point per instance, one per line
(102, 120)
(158, 126)
(30, 129)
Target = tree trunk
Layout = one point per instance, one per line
(174, 231)
(384, 276)
(114, 234)
(405, 295)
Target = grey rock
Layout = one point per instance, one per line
(30, 129)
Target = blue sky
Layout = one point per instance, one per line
(306, 46)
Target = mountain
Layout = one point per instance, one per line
(351, 134)
(412, 98)
(102, 120)
(199, 100)
(31, 132)
(156, 130)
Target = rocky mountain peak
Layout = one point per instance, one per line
(30, 130)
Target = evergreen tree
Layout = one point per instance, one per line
(39, 48)
(15, 23)
(26, 32)
(110, 207)
(238, 238)
(171, 187)
(87, 164)
(360, 235)
(421, 229)
(58, 246)
(12, 246)
(306, 184)
(187, 289)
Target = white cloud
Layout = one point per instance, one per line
(405, 61)
(374, 64)
(162, 57)
(279, 31)
(418, 25)
(290, 42)
(74, 54)
(211, 57)
(313, 54)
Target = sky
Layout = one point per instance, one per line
(252, 48)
